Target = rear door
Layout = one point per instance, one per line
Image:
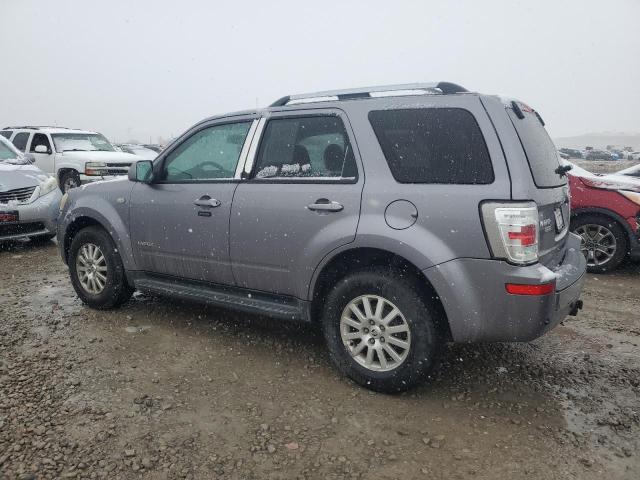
(547, 186)
(301, 200)
(180, 223)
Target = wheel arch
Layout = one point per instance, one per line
(62, 171)
(72, 230)
(356, 258)
(604, 212)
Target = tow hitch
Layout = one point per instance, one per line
(577, 305)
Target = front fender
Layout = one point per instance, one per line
(109, 209)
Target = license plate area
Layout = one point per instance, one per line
(557, 213)
(11, 216)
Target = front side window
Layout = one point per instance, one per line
(40, 139)
(20, 141)
(433, 145)
(81, 142)
(306, 147)
(211, 153)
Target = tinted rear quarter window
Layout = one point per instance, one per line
(538, 147)
(433, 145)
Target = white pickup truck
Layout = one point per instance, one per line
(72, 156)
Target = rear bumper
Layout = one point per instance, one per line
(36, 218)
(479, 309)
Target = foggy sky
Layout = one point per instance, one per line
(132, 70)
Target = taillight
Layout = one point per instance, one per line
(512, 230)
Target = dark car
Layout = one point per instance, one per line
(599, 155)
(572, 152)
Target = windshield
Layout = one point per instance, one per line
(6, 152)
(81, 142)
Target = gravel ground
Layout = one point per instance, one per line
(160, 389)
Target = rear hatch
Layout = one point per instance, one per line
(551, 191)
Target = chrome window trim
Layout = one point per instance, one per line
(253, 149)
(245, 149)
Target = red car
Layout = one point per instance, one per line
(605, 212)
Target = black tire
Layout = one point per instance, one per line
(116, 289)
(42, 238)
(619, 233)
(421, 317)
(69, 179)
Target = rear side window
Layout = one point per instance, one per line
(538, 147)
(433, 145)
(311, 147)
(6, 133)
(20, 141)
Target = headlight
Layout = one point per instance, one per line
(633, 196)
(48, 186)
(63, 201)
(95, 168)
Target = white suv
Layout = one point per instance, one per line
(72, 156)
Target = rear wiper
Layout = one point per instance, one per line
(563, 169)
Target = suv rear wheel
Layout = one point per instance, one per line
(603, 242)
(379, 330)
(97, 273)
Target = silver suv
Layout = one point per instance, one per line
(397, 218)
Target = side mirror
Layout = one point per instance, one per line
(42, 149)
(141, 171)
(29, 158)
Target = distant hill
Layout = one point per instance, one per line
(600, 140)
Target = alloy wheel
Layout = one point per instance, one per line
(91, 268)
(375, 333)
(598, 243)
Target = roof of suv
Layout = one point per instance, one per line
(381, 91)
(49, 129)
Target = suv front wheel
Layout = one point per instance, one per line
(97, 273)
(379, 330)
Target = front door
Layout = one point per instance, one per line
(44, 160)
(180, 222)
(301, 201)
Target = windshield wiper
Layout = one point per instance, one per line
(75, 150)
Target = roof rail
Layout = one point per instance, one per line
(37, 127)
(437, 88)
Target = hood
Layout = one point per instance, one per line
(20, 176)
(622, 179)
(95, 156)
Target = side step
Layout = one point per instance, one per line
(239, 299)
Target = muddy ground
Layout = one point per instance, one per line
(160, 389)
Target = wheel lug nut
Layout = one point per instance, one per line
(365, 330)
(382, 328)
(371, 341)
(371, 322)
(382, 339)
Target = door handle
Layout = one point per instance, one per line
(325, 205)
(207, 201)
